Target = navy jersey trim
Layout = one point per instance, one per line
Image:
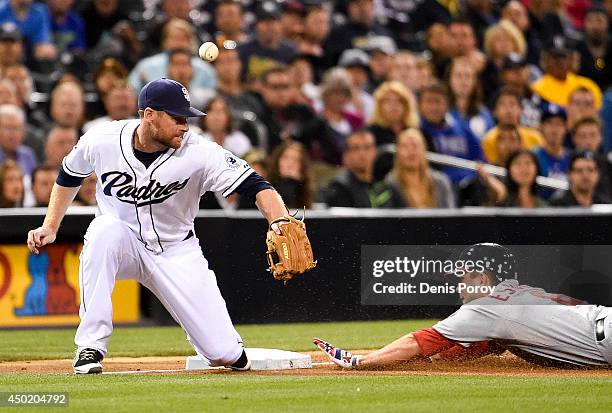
(230, 190)
(252, 185)
(67, 180)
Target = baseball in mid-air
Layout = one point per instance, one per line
(209, 51)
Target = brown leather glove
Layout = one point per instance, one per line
(289, 253)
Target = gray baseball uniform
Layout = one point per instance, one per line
(537, 326)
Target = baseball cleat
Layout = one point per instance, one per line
(340, 357)
(88, 362)
(244, 368)
(242, 364)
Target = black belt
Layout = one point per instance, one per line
(189, 235)
(599, 329)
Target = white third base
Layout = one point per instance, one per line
(261, 359)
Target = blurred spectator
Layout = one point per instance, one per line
(606, 118)
(338, 122)
(317, 25)
(555, 21)
(428, 12)
(218, 127)
(274, 107)
(441, 46)
(515, 74)
(583, 179)
(361, 25)
(395, 109)
(521, 186)
(596, 50)
(107, 73)
(268, 48)
(32, 19)
(20, 76)
(229, 67)
(581, 103)
(60, 142)
(43, 178)
(466, 44)
(67, 27)
(425, 72)
(420, 186)
(559, 63)
(507, 111)
(356, 63)
(181, 70)
(587, 136)
(500, 41)
(12, 134)
(289, 172)
(480, 14)
(466, 98)
(87, 192)
(229, 21)
(8, 92)
(355, 187)
(553, 158)
(404, 69)
(302, 73)
(381, 49)
(174, 9)
(399, 18)
(11, 45)
(108, 31)
(443, 133)
(508, 141)
(292, 20)
(11, 185)
(120, 102)
(485, 189)
(177, 34)
(67, 106)
(516, 12)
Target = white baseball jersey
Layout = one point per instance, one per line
(142, 232)
(533, 324)
(159, 203)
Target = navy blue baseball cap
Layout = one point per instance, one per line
(169, 96)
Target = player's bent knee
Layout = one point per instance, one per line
(107, 230)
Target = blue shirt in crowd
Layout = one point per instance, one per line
(70, 35)
(25, 159)
(36, 27)
(452, 138)
(552, 167)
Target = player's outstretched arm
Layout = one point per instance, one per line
(403, 349)
(61, 198)
(270, 204)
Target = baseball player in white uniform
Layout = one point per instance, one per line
(150, 174)
(542, 328)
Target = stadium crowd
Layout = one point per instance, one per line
(336, 103)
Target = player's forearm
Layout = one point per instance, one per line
(61, 198)
(270, 204)
(401, 350)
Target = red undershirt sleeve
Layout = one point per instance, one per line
(431, 342)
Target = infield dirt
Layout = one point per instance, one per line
(504, 365)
